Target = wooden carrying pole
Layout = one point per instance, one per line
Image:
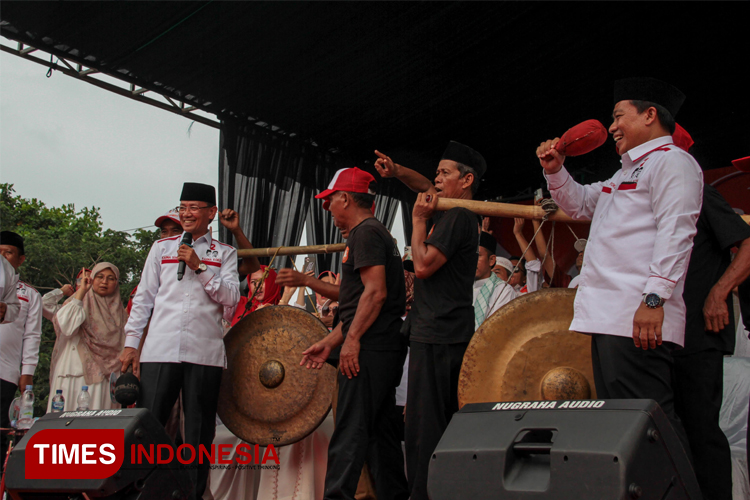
(312, 249)
(486, 208)
(492, 209)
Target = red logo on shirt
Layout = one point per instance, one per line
(346, 255)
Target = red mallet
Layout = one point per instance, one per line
(581, 139)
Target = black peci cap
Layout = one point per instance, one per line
(194, 191)
(464, 154)
(649, 89)
(12, 239)
(488, 241)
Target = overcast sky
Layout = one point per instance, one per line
(66, 141)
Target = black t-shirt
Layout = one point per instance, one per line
(719, 228)
(443, 309)
(370, 244)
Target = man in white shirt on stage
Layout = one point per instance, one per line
(643, 220)
(490, 292)
(19, 340)
(184, 349)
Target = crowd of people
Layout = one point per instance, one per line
(660, 320)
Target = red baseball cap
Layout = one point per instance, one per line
(352, 180)
(172, 214)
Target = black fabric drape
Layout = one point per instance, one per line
(269, 180)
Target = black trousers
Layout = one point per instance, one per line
(160, 386)
(623, 371)
(367, 429)
(7, 394)
(431, 401)
(698, 390)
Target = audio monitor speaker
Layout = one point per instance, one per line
(145, 481)
(577, 450)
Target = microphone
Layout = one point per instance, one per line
(127, 388)
(187, 239)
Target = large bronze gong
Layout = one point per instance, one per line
(266, 397)
(525, 352)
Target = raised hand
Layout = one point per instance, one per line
(486, 225)
(229, 219)
(549, 158)
(85, 285)
(385, 166)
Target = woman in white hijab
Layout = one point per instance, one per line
(90, 336)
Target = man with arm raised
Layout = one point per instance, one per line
(643, 220)
(441, 321)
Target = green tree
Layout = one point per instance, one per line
(59, 241)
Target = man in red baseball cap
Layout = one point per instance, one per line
(372, 300)
(169, 224)
(352, 180)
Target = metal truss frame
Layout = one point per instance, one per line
(132, 91)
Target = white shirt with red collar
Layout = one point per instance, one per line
(642, 227)
(19, 340)
(186, 321)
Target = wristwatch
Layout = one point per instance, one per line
(652, 300)
(202, 267)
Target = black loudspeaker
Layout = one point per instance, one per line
(132, 482)
(577, 450)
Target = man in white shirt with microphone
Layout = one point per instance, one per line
(186, 282)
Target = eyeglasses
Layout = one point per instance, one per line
(193, 208)
(109, 279)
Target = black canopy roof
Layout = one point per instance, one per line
(407, 77)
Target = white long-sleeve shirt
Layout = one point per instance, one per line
(51, 303)
(642, 227)
(8, 281)
(186, 321)
(19, 341)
